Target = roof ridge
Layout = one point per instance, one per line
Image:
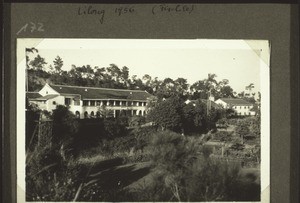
(98, 88)
(245, 102)
(234, 99)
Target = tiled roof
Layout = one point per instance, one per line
(234, 101)
(102, 93)
(45, 98)
(33, 95)
(213, 104)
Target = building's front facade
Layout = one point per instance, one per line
(240, 106)
(88, 102)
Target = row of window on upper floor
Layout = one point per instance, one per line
(236, 113)
(240, 107)
(116, 113)
(112, 103)
(105, 103)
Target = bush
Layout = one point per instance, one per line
(143, 136)
(93, 131)
(222, 123)
(171, 150)
(32, 116)
(136, 121)
(210, 180)
(187, 171)
(49, 177)
(114, 127)
(222, 136)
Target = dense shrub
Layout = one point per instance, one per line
(187, 171)
(65, 124)
(222, 136)
(153, 190)
(136, 121)
(93, 131)
(114, 127)
(143, 136)
(222, 123)
(32, 116)
(48, 176)
(120, 144)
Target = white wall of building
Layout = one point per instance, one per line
(139, 107)
(222, 103)
(52, 103)
(242, 110)
(41, 104)
(47, 90)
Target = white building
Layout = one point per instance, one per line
(240, 106)
(86, 102)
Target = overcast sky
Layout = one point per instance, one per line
(191, 59)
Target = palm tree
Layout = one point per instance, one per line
(249, 87)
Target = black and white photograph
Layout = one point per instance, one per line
(143, 120)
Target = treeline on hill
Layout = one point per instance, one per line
(40, 72)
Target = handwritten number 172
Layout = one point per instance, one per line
(32, 27)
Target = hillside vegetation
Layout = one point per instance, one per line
(178, 152)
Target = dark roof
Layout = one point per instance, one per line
(234, 101)
(33, 95)
(45, 98)
(213, 104)
(101, 93)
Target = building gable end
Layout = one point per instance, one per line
(47, 89)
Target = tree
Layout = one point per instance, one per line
(226, 92)
(105, 112)
(195, 119)
(29, 51)
(181, 86)
(38, 63)
(155, 85)
(211, 87)
(147, 79)
(198, 90)
(249, 87)
(166, 89)
(124, 79)
(147, 83)
(58, 64)
(65, 126)
(167, 114)
(136, 83)
(242, 130)
(116, 75)
(82, 76)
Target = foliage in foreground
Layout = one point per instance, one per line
(182, 168)
(49, 177)
(187, 171)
